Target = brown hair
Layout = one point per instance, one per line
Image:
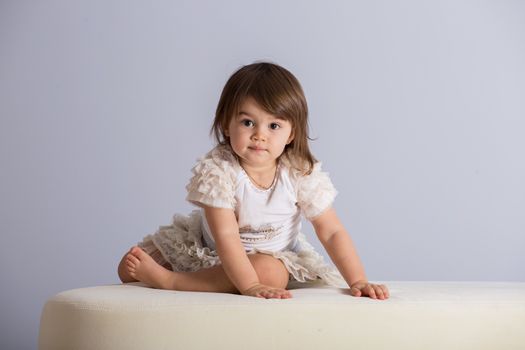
(276, 91)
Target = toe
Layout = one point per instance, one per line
(138, 252)
(135, 250)
(132, 259)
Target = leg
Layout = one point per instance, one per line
(141, 266)
(271, 271)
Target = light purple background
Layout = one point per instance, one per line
(418, 107)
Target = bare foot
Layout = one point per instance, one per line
(142, 267)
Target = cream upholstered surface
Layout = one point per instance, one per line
(418, 315)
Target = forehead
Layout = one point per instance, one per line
(249, 107)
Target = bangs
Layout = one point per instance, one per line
(273, 92)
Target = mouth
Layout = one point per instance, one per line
(257, 149)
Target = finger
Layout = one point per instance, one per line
(286, 295)
(278, 293)
(273, 296)
(264, 294)
(356, 292)
(386, 293)
(370, 291)
(268, 294)
(284, 291)
(379, 292)
(281, 293)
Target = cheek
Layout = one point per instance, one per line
(238, 137)
(234, 133)
(287, 136)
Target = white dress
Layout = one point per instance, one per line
(269, 220)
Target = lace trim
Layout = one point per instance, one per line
(180, 244)
(213, 181)
(315, 192)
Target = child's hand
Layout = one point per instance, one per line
(264, 291)
(374, 291)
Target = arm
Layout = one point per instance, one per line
(225, 231)
(337, 242)
(235, 262)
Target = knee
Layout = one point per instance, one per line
(271, 271)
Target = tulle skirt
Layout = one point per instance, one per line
(181, 247)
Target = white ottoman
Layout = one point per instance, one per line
(418, 315)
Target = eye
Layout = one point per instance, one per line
(247, 122)
(274, 126)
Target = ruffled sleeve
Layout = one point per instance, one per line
(315, 192)
(213, 180)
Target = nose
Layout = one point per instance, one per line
(258, 134)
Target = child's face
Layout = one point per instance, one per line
(257, 137)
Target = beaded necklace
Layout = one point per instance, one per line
(258, 184)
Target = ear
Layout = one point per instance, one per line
(290, 139)
(226, 132)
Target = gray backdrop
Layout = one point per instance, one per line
(418, 109)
